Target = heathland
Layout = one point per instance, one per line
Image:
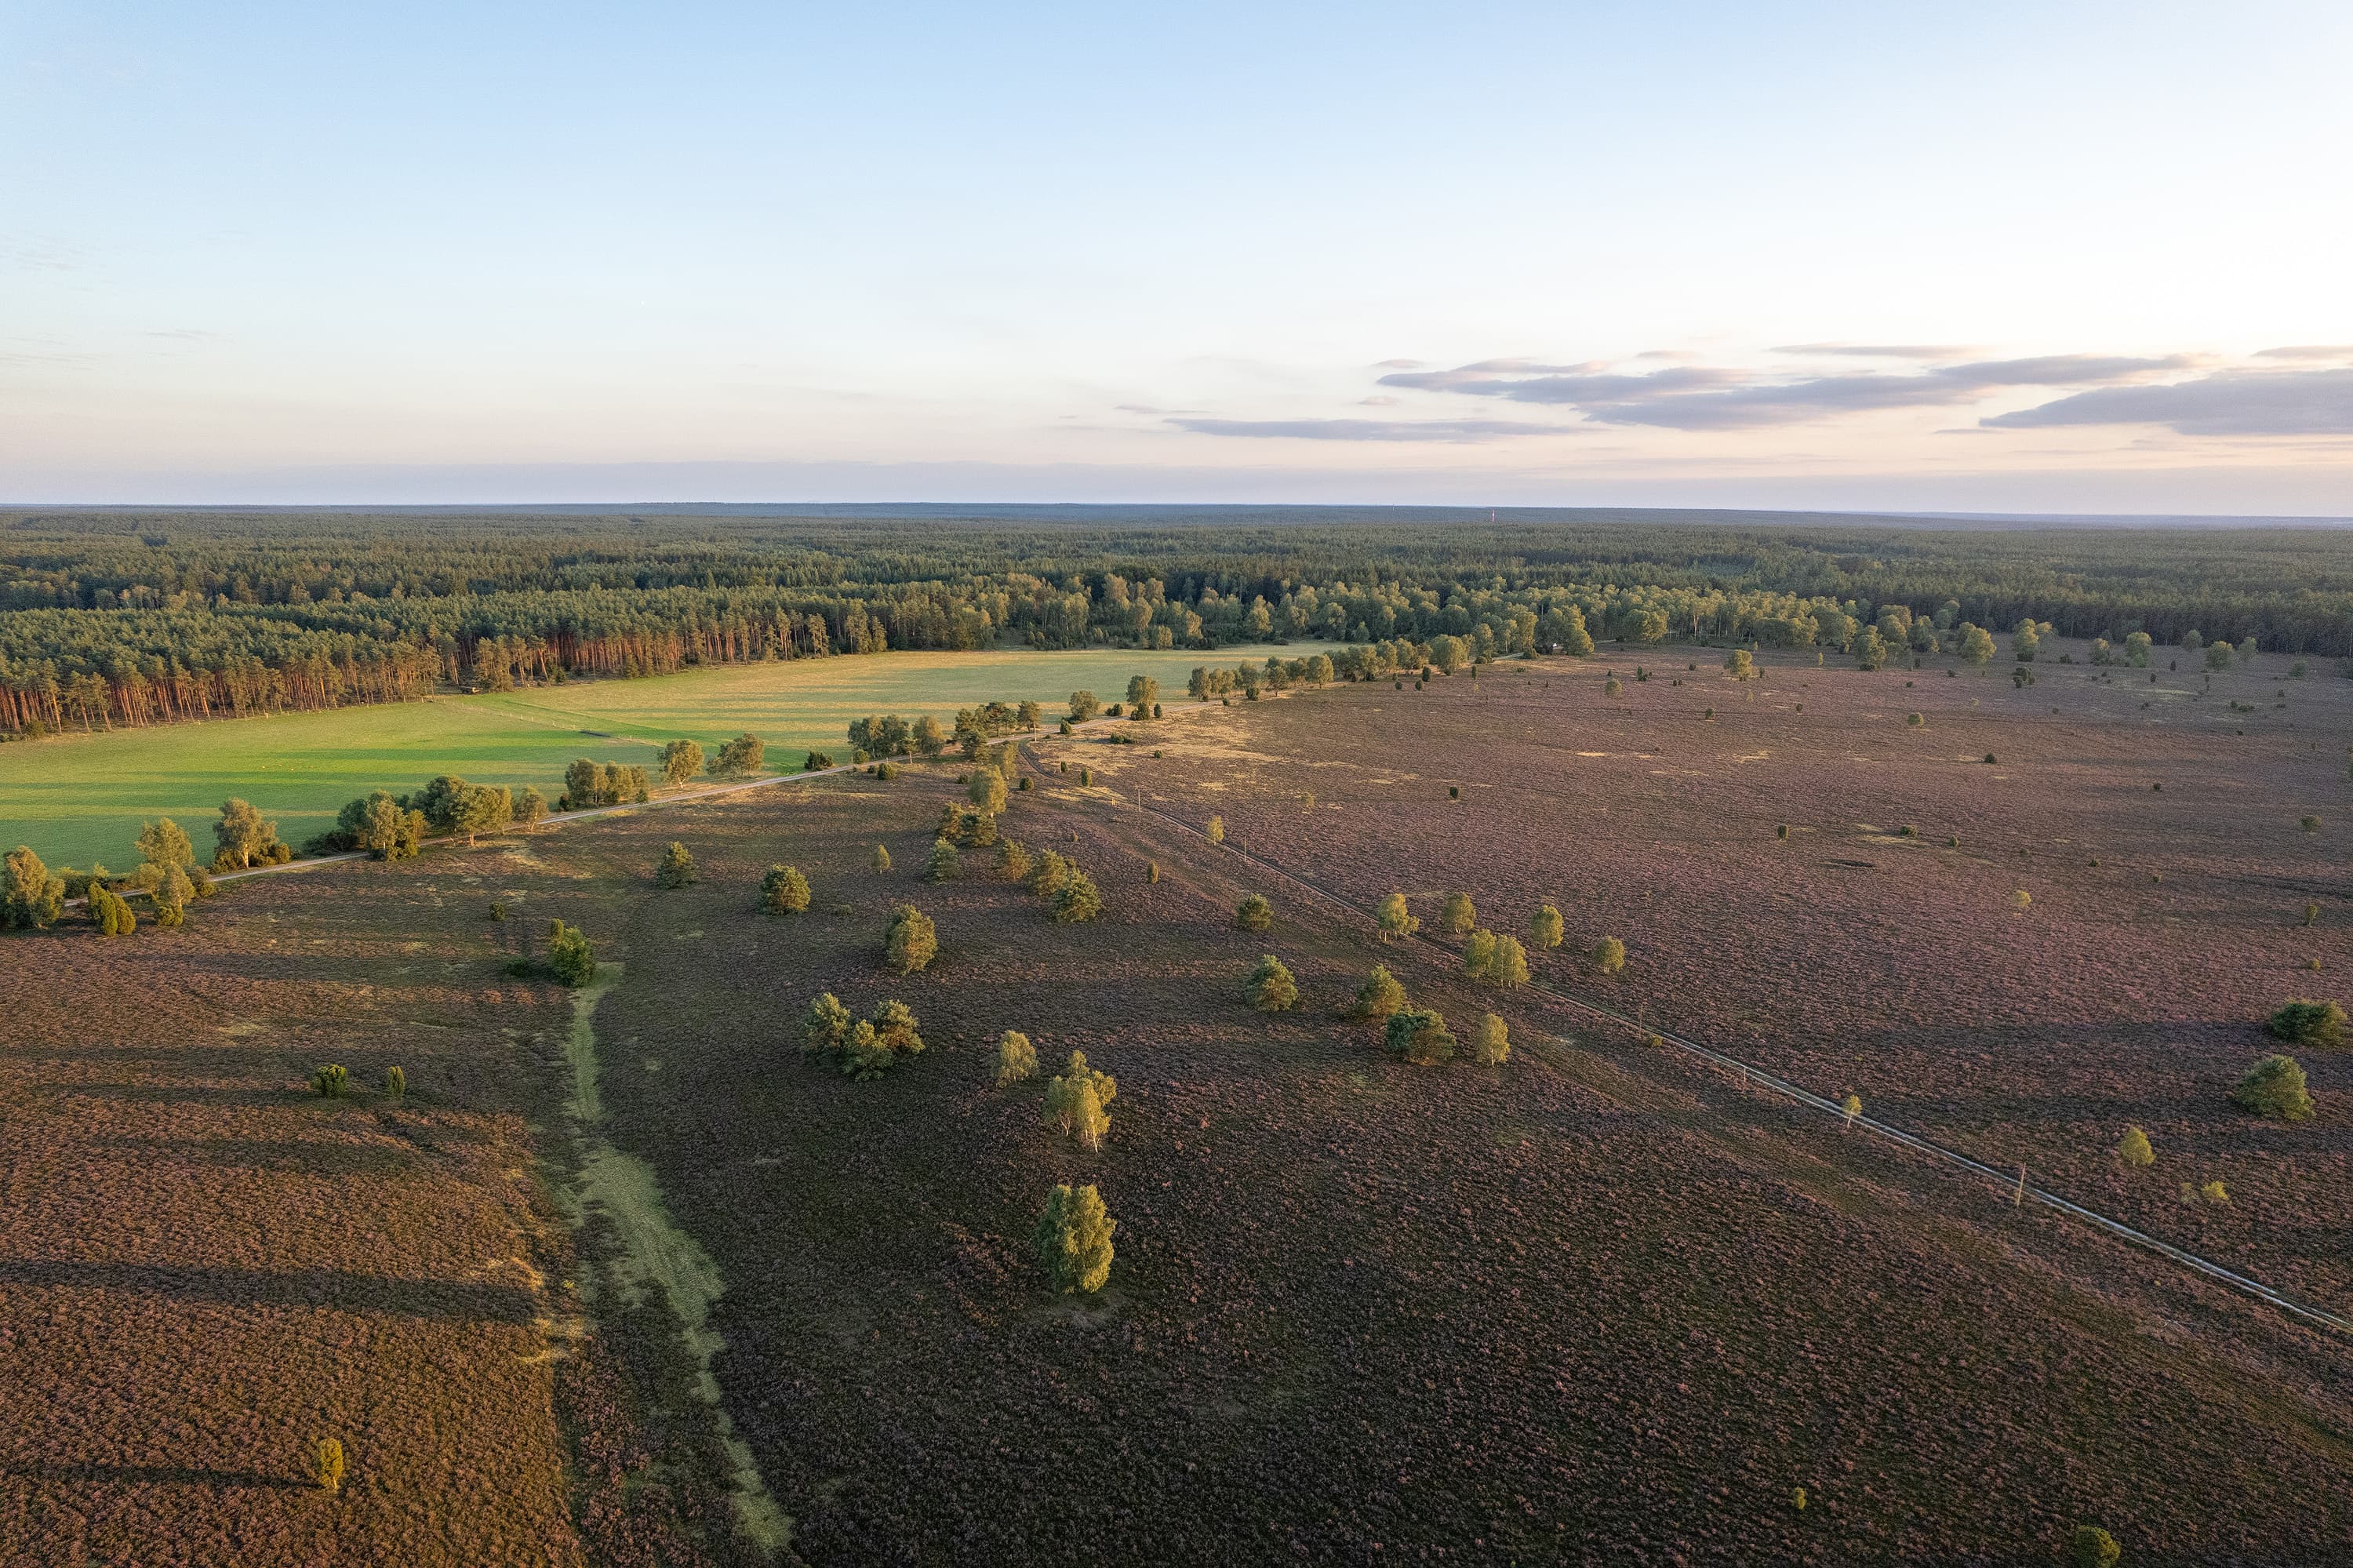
(77, 798)
(1595, 1301)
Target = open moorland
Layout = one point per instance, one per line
(77, 798)
(1594, 1304)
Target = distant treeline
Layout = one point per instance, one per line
(144, 618)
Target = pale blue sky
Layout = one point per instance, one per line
(717, 251)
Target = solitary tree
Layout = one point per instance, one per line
(1077, 1100)
(1851, 1107)
(162, 843)
(1271, 987)
(1479, 954)
(1739, 664)
(1394, 919)
(2275, 1087)
(1457, 915)
(1610, 955)
(879, 860)
(30, 898)
(680, 760)
(569, 954)
(2091, 1547)
(1545, 928)
(2134, 1151)
(1255, 914)
(1017, 1059)
(2308, 1023)
(942, 865)
(987, 790)
(1074, 1239)
(1217, 829)
(1083, 707)
(1491, 1042)
(243, 837)
(1420, 1036)
(1078, 899)
(1977, 645)
(783, 891)
(1380, 996)
(327, 1464)
(677, 868)
(530, 807)
(910, 942)
(741, 756)
(1143, 696)
(1012, 860)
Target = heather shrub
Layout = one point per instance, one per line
(1017, 1059)
(2275, 1087)
(783, 891)
(1379, 997)
(1254, 914)
(1074, 1239)
(1270, 988)
(1457, 915)
(1394, 919)
(909, 941)
(1545, 928)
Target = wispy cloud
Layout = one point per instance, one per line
(1879, 350)
(1703, 398)
(1457, 430)
(2227, 403)
(2308, 351)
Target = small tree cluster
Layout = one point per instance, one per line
(909, 941)
(1078, 1101)
(1074, 1239)
(110, 911)
(866, 1049)
(1270, 988)
(452, 806)
(740, 757)
(783, 891)
(331, 1081)
(243, 838)
(588, 784)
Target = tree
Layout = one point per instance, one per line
(942, 865)
(382, 826)
(879, 860)
(1143, 696)
(910, 942)
(1544, 928)
(1610, 955)
(987, 790)
(2218, 655)
(29, 898)
(1419, 1036)
(1254, 914)
(569, 954)
(2308, 1023)
(1083, 707)
(680, 760)
(895, 1027)
(1870, 648)
(1012, 860)
(2136, 645)
(1078, 1101)
(1851, 1107)
(1739, 664)
(327, 1464)
(929, 738)
(1077, 899)
(1976, 644)
(1270, 988)
(1457, 915)
(1479, 954)
(1491, 1042)
(243, 837)
(2275, 1087)
(1217, 829)
(1394, 919)
(1379, 997)
(110, 911)
(1052, 872)
(530, 807)
(740, 757)
(329, 1081)
(825, 1027)
(2024, 642)
(677, 868)
(1509, 966)
(162, 843)
(1017, 1059)
(783, 891)
(2134, 1151)
(816, 762)
(170, 889)
(1029, 715)
(2091, 1547)
(1074, 1239)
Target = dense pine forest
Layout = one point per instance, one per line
(145, 617)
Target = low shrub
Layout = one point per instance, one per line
(569, 954)
(2303, 1023)
(783, 891)
(2275, 1086)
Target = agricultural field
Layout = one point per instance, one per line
(79, 797)
(1598, 1303)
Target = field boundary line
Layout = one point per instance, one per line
(1758, 1077)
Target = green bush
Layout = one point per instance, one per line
(1254, 914)
(569, 954)
(1051, 872)
(2308, 1023)
(879, 860)
(783, 891)
(1610, 955)
(330, 1082)
(2091, 1547)
(396, 1082)
(30, 897)
(1074, 1239)
(909, 941)
(987, 790)
(110, 911)
(1420, 1036)
(2275, 1087)
(1508, 967)
(677, 868)
(1012, 860)
(1077, 899)
(1270, 988)
(1017, 1059)
(825, 1027)
(1379, 997)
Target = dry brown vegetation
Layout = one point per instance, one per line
(1593, 1304)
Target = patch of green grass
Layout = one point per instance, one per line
(77, 798)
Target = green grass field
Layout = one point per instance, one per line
(77, 798)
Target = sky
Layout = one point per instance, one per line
(1992, 258)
